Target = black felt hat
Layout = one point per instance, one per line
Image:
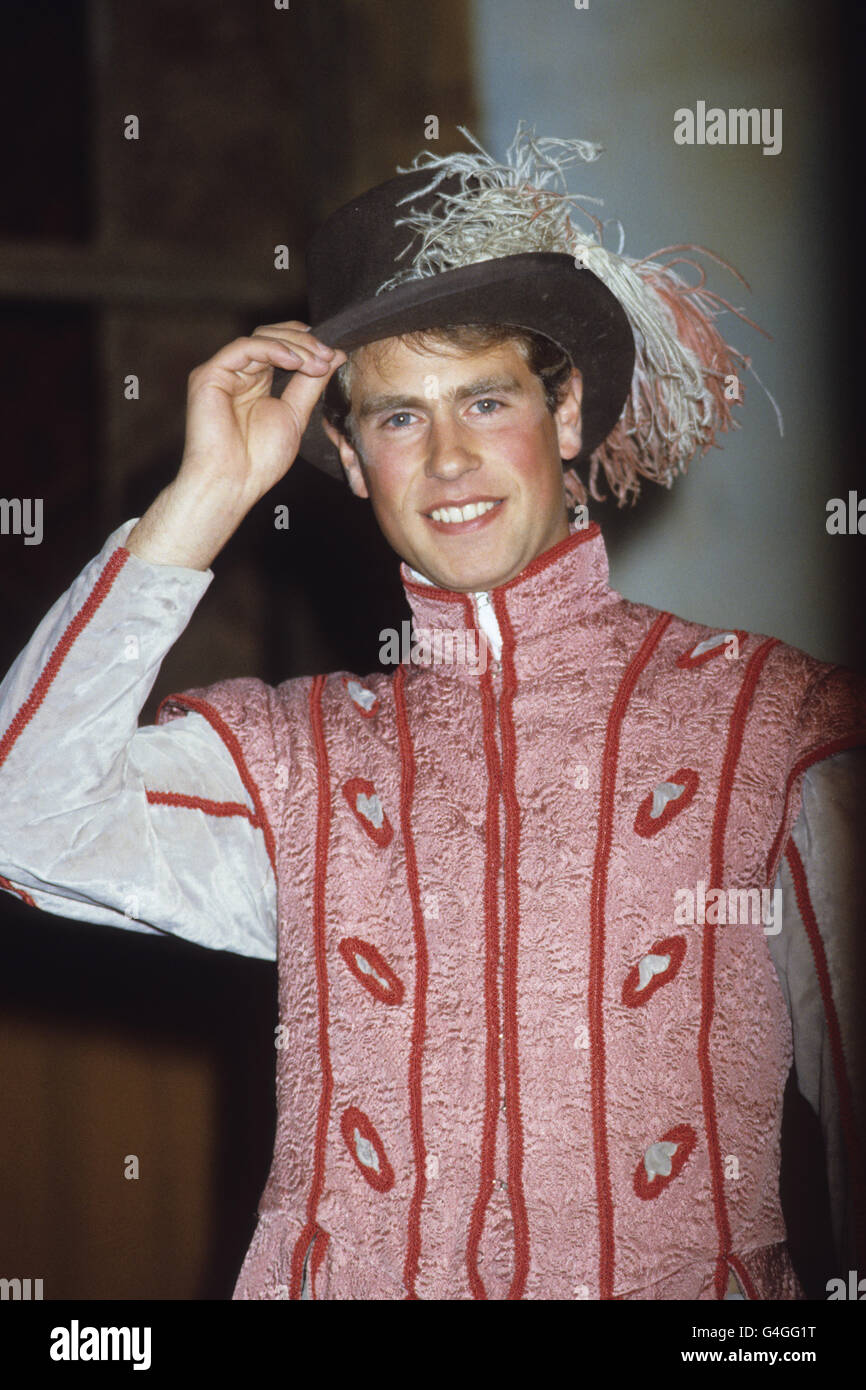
(361, 247)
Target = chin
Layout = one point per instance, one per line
(470, 581)
(485, 572)
(486, 566)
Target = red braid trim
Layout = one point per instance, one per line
(323, 826)
(74, 628)
(200, 803)
(19, 892)
(815, 755)
(419, 1018)
(708, 958)
(232, 743)
(516, 1195)
(596, 950)
(491, 964)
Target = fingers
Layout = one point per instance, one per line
(310, 354)
(290, 346)
(270, 328)
(303, 388)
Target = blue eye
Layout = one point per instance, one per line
(400, 415)
(488, 400)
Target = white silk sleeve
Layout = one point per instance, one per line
(819, 955)
(147, 828)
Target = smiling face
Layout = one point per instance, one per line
(460, 457)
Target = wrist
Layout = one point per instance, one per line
(188, 524)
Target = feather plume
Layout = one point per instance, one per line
(682, 389)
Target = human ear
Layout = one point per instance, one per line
(568, 417)
(349, 459)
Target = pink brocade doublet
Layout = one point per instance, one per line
(510, 1071)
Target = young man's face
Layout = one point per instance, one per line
(442, 431)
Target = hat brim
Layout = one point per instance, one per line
(544, 292)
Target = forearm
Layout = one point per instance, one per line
(239, 442)
(188, 523)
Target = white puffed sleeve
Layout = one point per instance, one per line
(86, 827)
(819, 956)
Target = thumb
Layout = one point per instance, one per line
(300, 392)
(283, 376)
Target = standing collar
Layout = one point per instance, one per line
(560, 587)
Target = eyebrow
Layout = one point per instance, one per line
(502, 385)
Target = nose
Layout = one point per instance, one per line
(451, 450)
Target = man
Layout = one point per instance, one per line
(535, 1041)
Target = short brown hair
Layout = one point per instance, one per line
(545, 359)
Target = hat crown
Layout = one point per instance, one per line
(359, 247)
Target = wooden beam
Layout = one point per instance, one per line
(61, 272)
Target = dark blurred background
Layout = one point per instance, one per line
(144, 256)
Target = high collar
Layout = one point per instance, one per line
(559, 590)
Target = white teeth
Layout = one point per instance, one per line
(467, 513)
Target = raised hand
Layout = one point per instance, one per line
(240, 441)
